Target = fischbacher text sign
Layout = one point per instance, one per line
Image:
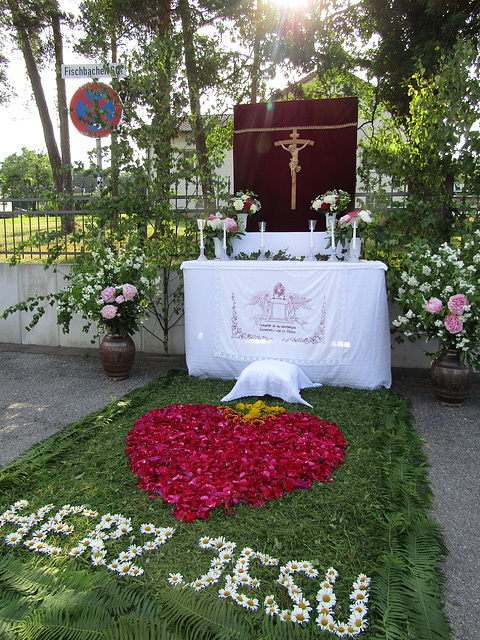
(77, 71)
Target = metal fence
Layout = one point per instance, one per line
(28, 217)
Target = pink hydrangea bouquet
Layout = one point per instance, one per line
(439, 294)
(109, 289)
(214, 228)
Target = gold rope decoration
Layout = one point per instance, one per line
(300, 127)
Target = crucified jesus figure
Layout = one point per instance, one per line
(292, 147)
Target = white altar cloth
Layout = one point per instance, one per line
(329, 318)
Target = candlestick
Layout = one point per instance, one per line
(311, 226)
(224, 256)
(262, 226)
(201, 226)
(330, 219)
(354, 253)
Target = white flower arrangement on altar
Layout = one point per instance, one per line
(244, 202)
(331, 201)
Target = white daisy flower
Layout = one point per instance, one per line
(285, 615)
(147, 529)
(13, 538)
(175, 579)
(326, 598)
(272, 610)
(300, 616)
(325, 622)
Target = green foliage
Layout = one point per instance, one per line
(30, 169)
(434, 146)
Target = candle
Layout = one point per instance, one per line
(311, 225)
(224, 236)
(201, 226)
(262, 225)
(354, 239)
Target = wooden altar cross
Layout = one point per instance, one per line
(293, 149)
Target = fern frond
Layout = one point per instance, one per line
(198, 616)
(60, 624)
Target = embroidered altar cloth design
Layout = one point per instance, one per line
(297, 320)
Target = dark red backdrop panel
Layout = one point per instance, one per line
(262, 167)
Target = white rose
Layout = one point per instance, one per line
(253, 208)
(330, 199)
(316, 204)
(238, 205)
(426, 270)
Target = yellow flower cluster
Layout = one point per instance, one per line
(258, 410)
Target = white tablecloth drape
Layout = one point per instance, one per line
(331, 319)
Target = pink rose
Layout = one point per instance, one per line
(119, 299)
(453, 324)
(108, 294)
(457, 304)
(434, 305)
(129, 291)
(343, 221)
(231, 225)
(109, 311)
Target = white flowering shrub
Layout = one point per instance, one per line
(439, 292)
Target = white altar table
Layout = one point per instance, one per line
(329, 318)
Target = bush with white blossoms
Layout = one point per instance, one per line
(111, 289)
(439, 292)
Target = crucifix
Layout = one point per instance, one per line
(292, 147)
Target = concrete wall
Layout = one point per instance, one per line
(28, 280)
(19, 283)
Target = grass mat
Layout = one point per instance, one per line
(372, 519)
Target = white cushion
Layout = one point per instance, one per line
(271, 377)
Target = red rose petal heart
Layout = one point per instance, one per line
(197, 457)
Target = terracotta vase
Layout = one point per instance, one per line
(451, 380)
(117, 355)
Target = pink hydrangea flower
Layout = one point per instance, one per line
(109, 311)
(457, 304)
(108, 294)
(453, 324)
(344, 220)
(434, 305)
(129, 291)
(231, 225)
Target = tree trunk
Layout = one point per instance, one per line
(256, 53)
(195, 108)
(36, 82)
(68, 221)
